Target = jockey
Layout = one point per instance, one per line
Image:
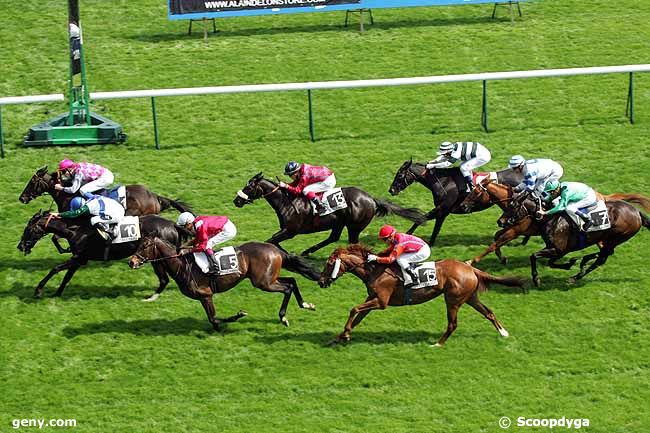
(537, 173)
(573, 197)
(471, 155)
(209, 231)
(87, 177)
(308, 180)
(406, 250)
(105, 213)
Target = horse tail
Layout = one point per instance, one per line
(383, 208)
(166, 203)
(484, 280)
(639, 199)
(299, 265)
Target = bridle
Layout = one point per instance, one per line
(40, 183)
(147, 245)
(258, 188)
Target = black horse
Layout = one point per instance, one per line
(448, 187)
(86, 244)
(296, 215)
(562, 236)
(139, 200)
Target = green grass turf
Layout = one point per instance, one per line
(115, 364)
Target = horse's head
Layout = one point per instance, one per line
(403, 178)
(35, 230)
(38, 185)
(518, 210)
(146, 251)
(254, 189)
(478, 195)
(341, 261)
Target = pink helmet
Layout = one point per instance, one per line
(386, 231)
(65, 164)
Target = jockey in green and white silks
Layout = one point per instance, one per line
(470, 155)
(573, 196)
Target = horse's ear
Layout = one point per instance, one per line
(258, 175)
(41, 171)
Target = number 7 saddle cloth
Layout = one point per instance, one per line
(598, 216)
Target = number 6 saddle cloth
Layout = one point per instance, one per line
(332, 200)
(225, 258)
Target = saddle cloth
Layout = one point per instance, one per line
(128, 229)
(226, 260)
(478, 177)
(426, 273)
(332, 200)
(598, 216)
(117, 193)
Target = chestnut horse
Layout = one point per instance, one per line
(459, 282)
(139, 200)
(258, 261)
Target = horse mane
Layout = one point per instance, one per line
(354, 249)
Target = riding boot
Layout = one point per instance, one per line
(318, 205)
(586, 221)
(470, 184)
(213, 269)
(414, 277)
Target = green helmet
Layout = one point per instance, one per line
(551, 185)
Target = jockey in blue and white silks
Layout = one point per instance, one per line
(537, 173)
(104, 212)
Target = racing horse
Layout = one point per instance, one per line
(561, 237)
(86, 244)
(448, 187)
(259, 262)
(139, 200)
(296, 216)
(459, 282)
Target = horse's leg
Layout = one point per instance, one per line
(600, 260)
(334, 236)
(38, 292)
(163, 280)
(550, 253)
(67, 277)
(57, 245)
(475, 303)
(525, 240)
(296, 293)
(372, 303)
(566, 266)
(501, 237)
(208, 306)
(438, 225)
(583, 264)
(280, 236)
(452, 321)
(432, 214)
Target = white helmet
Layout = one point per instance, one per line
(185, 218)
(516, 161)
(446, 146)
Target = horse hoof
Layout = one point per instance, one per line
(469, 262)
(152, 298)
(536, 281)
(285, 321)
(572, 280)
(308, 306)
(242, 313)
(503, 332)
(436, 345)
(504, 261)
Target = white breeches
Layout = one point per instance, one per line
(228, 232)
(419, 256)
(585, 202)
(103, 181)
(113, 213)
(327, 184)
(483, 156)
(541, 183)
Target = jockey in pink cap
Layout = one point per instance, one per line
(406, 250)
(86, 177)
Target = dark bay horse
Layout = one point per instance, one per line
(86, 244)
(459, 282)
(296, 216)
(562, 237)
(259, 262)
(139, 200)
(448, 188)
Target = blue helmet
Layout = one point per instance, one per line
(76, 203)
(291, 167)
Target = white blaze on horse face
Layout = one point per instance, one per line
(241, 194)
(337, 266)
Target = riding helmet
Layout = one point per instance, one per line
(76, 203)
(291, 167)
(386, 231)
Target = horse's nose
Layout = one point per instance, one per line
(23, 199)
(133, 264)
(237, 202)
(392, 191)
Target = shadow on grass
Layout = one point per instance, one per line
(318, 28)
(323, 338)
(25, 291)
(32, 264)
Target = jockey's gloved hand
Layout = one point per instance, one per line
(429, 166)
(371, 258)
(282, 184)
